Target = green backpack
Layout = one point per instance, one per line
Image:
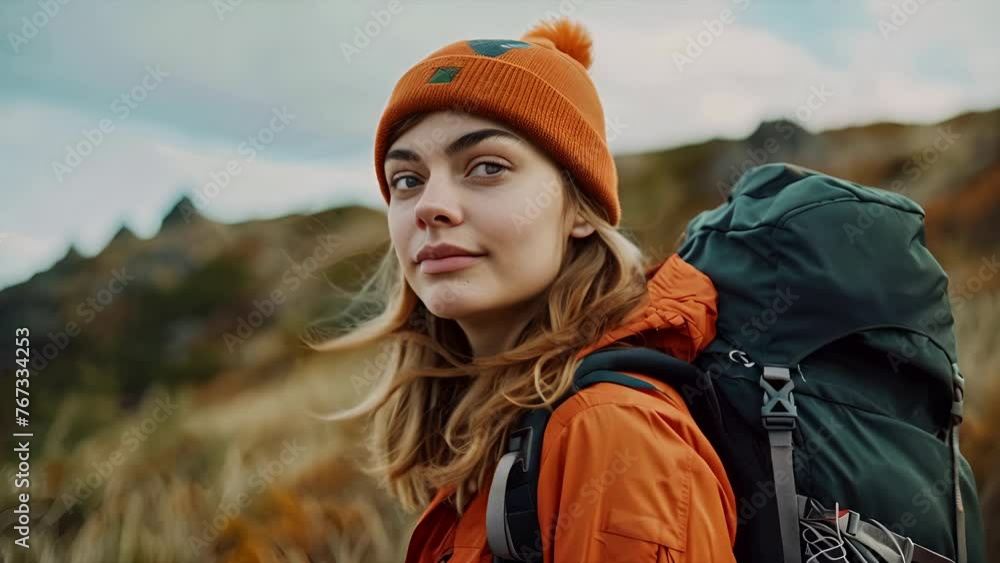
(831, 392)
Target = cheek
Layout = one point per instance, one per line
(394, 220)
(525, 246)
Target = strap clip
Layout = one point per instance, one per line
(779, 411)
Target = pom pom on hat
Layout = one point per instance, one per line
(563, 35)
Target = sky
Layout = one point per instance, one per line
(111, 110)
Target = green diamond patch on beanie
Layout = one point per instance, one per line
(495, 47)
(444, 74)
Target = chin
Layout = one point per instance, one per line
(453, 310)
(448, 303)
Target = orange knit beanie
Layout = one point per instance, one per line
(539, 86)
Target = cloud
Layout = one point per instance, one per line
(21, 254)
(135, 175)
(264, 184)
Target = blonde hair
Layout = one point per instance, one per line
(441, 415)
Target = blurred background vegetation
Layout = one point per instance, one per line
(174, 425)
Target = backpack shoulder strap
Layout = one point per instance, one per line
(512, 526)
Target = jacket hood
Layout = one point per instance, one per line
(679, 317)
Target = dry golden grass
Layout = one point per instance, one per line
(308, 502)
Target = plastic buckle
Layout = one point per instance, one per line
(853, 519)
(520, 442)
(779, 411)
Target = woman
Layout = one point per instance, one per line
(505, 269)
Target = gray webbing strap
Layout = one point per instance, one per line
(888, 545)
(779, 417)
(957, 414)
(497, 533)
(963, 555)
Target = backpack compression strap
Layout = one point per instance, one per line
(512, 527)
(779, 417)
(957, 414)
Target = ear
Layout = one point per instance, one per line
(581, 228)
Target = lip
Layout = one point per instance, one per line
(437, 251)
(447, 264)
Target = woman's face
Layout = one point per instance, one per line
(466, 181)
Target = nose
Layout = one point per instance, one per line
(439, 205)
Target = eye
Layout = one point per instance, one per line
(488, 168)
(409, 181)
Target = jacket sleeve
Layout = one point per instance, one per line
(632, 483)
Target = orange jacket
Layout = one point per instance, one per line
(626, 475)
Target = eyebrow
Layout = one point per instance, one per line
(458, 145)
